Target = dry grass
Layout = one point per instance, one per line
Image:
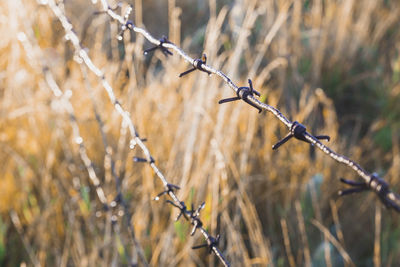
(271, 208)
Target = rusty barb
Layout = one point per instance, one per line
(197, 65)
(298, 130)
(243, 93)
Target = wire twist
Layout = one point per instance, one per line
(298, 130)
(243, 93)
(165, 51)
(197, 65)
(371, 181)
(387, 196)
(34, 53)
(136, 141)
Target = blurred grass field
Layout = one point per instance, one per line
(333, 65)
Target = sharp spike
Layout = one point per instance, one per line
(187, 72)
(282, 141)
(231, 99)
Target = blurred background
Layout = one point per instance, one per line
(333, 65)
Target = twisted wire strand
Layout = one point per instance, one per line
(371, 180)
(192, 216)
(64, 101)
(387, 196)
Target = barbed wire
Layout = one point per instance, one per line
(192, 215)
(63, 99)
(371, 181)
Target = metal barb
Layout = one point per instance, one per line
(168, 188)
(163, 49)
(376, 184)
(182, 208)
(211, 243)
(127, 26)
(381, 188)
(138, 159)
(106, 207)
(357, 187)
(118, 198)
(197, 65)
(323, 137)
(298, 131)
(243, 93)
(194, 218)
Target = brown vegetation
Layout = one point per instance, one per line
(334, 65)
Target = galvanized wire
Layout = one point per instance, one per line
(371, 180)
(193, 216)
(63, 98)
